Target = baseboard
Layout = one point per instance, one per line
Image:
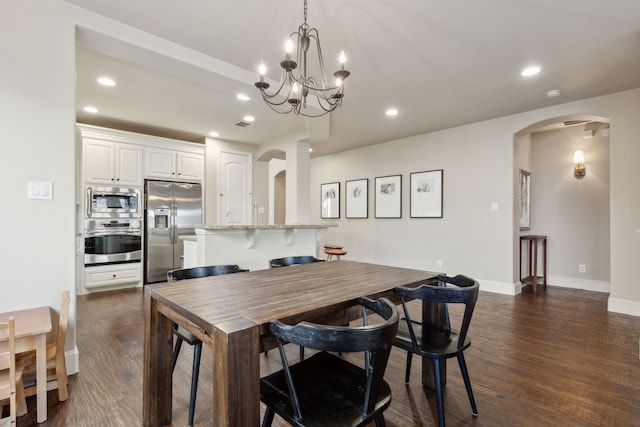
(559, 281)
(572, 282)
(72, 358)
(500, 287)
(623, 306)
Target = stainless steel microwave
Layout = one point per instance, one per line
(113, 202)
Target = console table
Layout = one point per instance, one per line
(532, 278)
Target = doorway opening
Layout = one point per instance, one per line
(573, 213)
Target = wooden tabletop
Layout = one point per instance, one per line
(231, 313)
(30, 321)
(265, 295)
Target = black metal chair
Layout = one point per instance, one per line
(286, 262)
(326, 389)
(293, 260)
(182, 335)
(442, 342)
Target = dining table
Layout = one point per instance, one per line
(32, 326)
(231, 314)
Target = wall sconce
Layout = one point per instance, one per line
(579, 170)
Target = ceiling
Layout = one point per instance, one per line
(440, 63)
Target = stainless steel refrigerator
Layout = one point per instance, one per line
(172, 209)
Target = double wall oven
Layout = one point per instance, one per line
(113, 226)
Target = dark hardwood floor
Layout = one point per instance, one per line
(554, 358)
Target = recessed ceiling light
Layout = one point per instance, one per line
(90, 109)
(248, 118)
(214, 134)
(310, 149)
(530, 71)
(106, 81)
(553, 93)
(391, 112)
(242, 97)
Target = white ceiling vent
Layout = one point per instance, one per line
(574, 122)
(243, 124)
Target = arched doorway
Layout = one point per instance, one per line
(573, 213)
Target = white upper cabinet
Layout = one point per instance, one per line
(174, 165)
(112, 163)
(190, 166)
(119, 158)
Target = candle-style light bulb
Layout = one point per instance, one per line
(262, 70)
(288, 46)
(295, 88)
(342, 58)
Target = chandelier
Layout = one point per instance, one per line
(297, 86)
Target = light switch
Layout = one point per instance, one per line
(38, 190)
(494, 207)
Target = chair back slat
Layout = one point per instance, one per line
(293, 260)
(197, 272)
(342, 338)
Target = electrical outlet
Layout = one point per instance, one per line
(439, 263)
(582, 268)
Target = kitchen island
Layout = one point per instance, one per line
(251, 246)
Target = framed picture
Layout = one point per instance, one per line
(525, 199)
(356, 198)
(330, 200)
(426, 194)
(388, 191)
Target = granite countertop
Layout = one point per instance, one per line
(264, 227)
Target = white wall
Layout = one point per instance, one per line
(38, 139)
(478, 162)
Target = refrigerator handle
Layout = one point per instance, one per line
(174, 212)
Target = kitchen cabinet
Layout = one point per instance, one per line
(174, 165)
(112, 276)
(112, 163)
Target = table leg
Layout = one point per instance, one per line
(236, 373)
(41, 377)
(156, 385)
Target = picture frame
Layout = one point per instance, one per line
(388, 196)
(524, 199)
(426, 194)
(356, 198)
(330, 200)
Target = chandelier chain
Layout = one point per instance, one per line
(305, 11)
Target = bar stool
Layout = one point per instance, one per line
(332, 250)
